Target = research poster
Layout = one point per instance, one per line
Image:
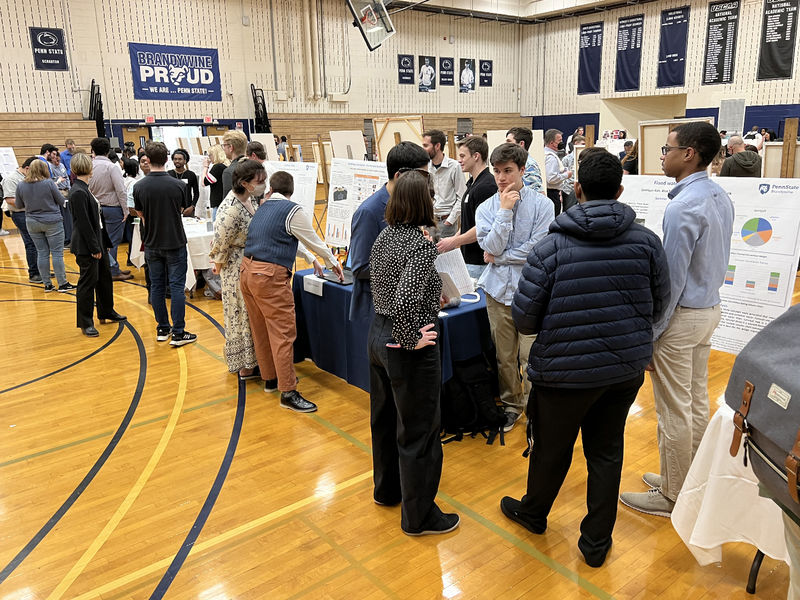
(629, 53)
(765, 248)
(672, 47)
(721, 32)
(8, 161)
(305, 182)
(352, 182)
(590, 56)
(778, 34)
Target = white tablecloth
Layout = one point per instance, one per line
(198, 245)
(719, 501)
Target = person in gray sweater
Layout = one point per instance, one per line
(742, 162)
(42, 202)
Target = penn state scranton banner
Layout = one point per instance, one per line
(778, 32)
(405, 68)
(446, 70)
(629, 53)
(590, 55)
(49, 49)
(672, 47)
(175, 73)
(721, 31)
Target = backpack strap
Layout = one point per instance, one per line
(740, 418)
(792, 465)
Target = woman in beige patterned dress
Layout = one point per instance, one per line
(230, 235)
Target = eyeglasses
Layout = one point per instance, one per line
(666, 149)
(424, 171)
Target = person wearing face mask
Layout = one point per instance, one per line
(158, 199)
(227, 252)
(180, 160)
(273, 238)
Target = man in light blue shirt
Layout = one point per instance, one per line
(698, 224)
(508, 225)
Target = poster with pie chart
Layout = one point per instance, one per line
(756, 232)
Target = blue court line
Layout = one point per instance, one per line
(208, 505)
(69, 366)
(213, 321)
(73, 497)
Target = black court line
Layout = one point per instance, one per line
(112, 444)
(69, 366)
(211, 499)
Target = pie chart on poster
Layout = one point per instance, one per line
(756, 232)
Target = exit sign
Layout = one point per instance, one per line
(150, 119)
(208, 120)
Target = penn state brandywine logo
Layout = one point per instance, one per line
(47, 38)
(177, 74)
(405, 62)
(763, 188)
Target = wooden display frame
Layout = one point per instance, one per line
(390, 131)
(653, 135)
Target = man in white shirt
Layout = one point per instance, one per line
(448, 181)
(558, 176)
(426, 76)
(467, 78)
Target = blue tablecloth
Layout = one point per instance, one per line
(339, 346)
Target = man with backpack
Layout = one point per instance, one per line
(591, 290)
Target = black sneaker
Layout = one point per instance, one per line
(181, 339)
(49, 287)
(511, 509)
(67, 287)
(271, 385)
(442, 523)
(294, 401)
(163, 334)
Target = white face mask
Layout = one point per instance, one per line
(259, 190)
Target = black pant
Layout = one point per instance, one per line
(95, 280)
(555, 196)
(599, 413)
(405, 417)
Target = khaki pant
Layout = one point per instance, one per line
(792, 534)
(267, 292)
(680, 387)
(513, 350)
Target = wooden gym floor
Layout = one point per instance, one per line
(129, 469)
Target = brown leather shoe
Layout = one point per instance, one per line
(125, 271)
(122, 277)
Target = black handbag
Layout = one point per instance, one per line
(764, 390)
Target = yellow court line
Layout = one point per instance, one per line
(219, 539)
(134, 492)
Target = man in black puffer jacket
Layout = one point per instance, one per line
(591, 290)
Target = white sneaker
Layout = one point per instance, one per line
(4, 232)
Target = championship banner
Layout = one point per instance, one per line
(721, 31)
(485, 69)
(629, 53)
(405, 69)
(49, 49)
(446, 70)
(590, 55)
(175, 73)
(672, 47)
(778, 33)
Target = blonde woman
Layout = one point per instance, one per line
(227, 251)
(42, 202)
(213, 167)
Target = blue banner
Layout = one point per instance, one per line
(446, 70)
(590, 57)
(721, 32)
(629, 53)
(672, 47)
(405, 68)
(175, 73)
(49, 49)
(778, 33)
(486, 68)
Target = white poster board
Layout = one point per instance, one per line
(348, 144)
(269, 144)
(8, 161)
(352, 182)
(305, 181)
(765, 248)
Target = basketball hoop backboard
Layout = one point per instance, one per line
(372, 20)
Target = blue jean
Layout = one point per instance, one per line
(114, 222)
(168, 267)
(30, 248)
(49, 240)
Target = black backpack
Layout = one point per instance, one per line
(468, 402)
